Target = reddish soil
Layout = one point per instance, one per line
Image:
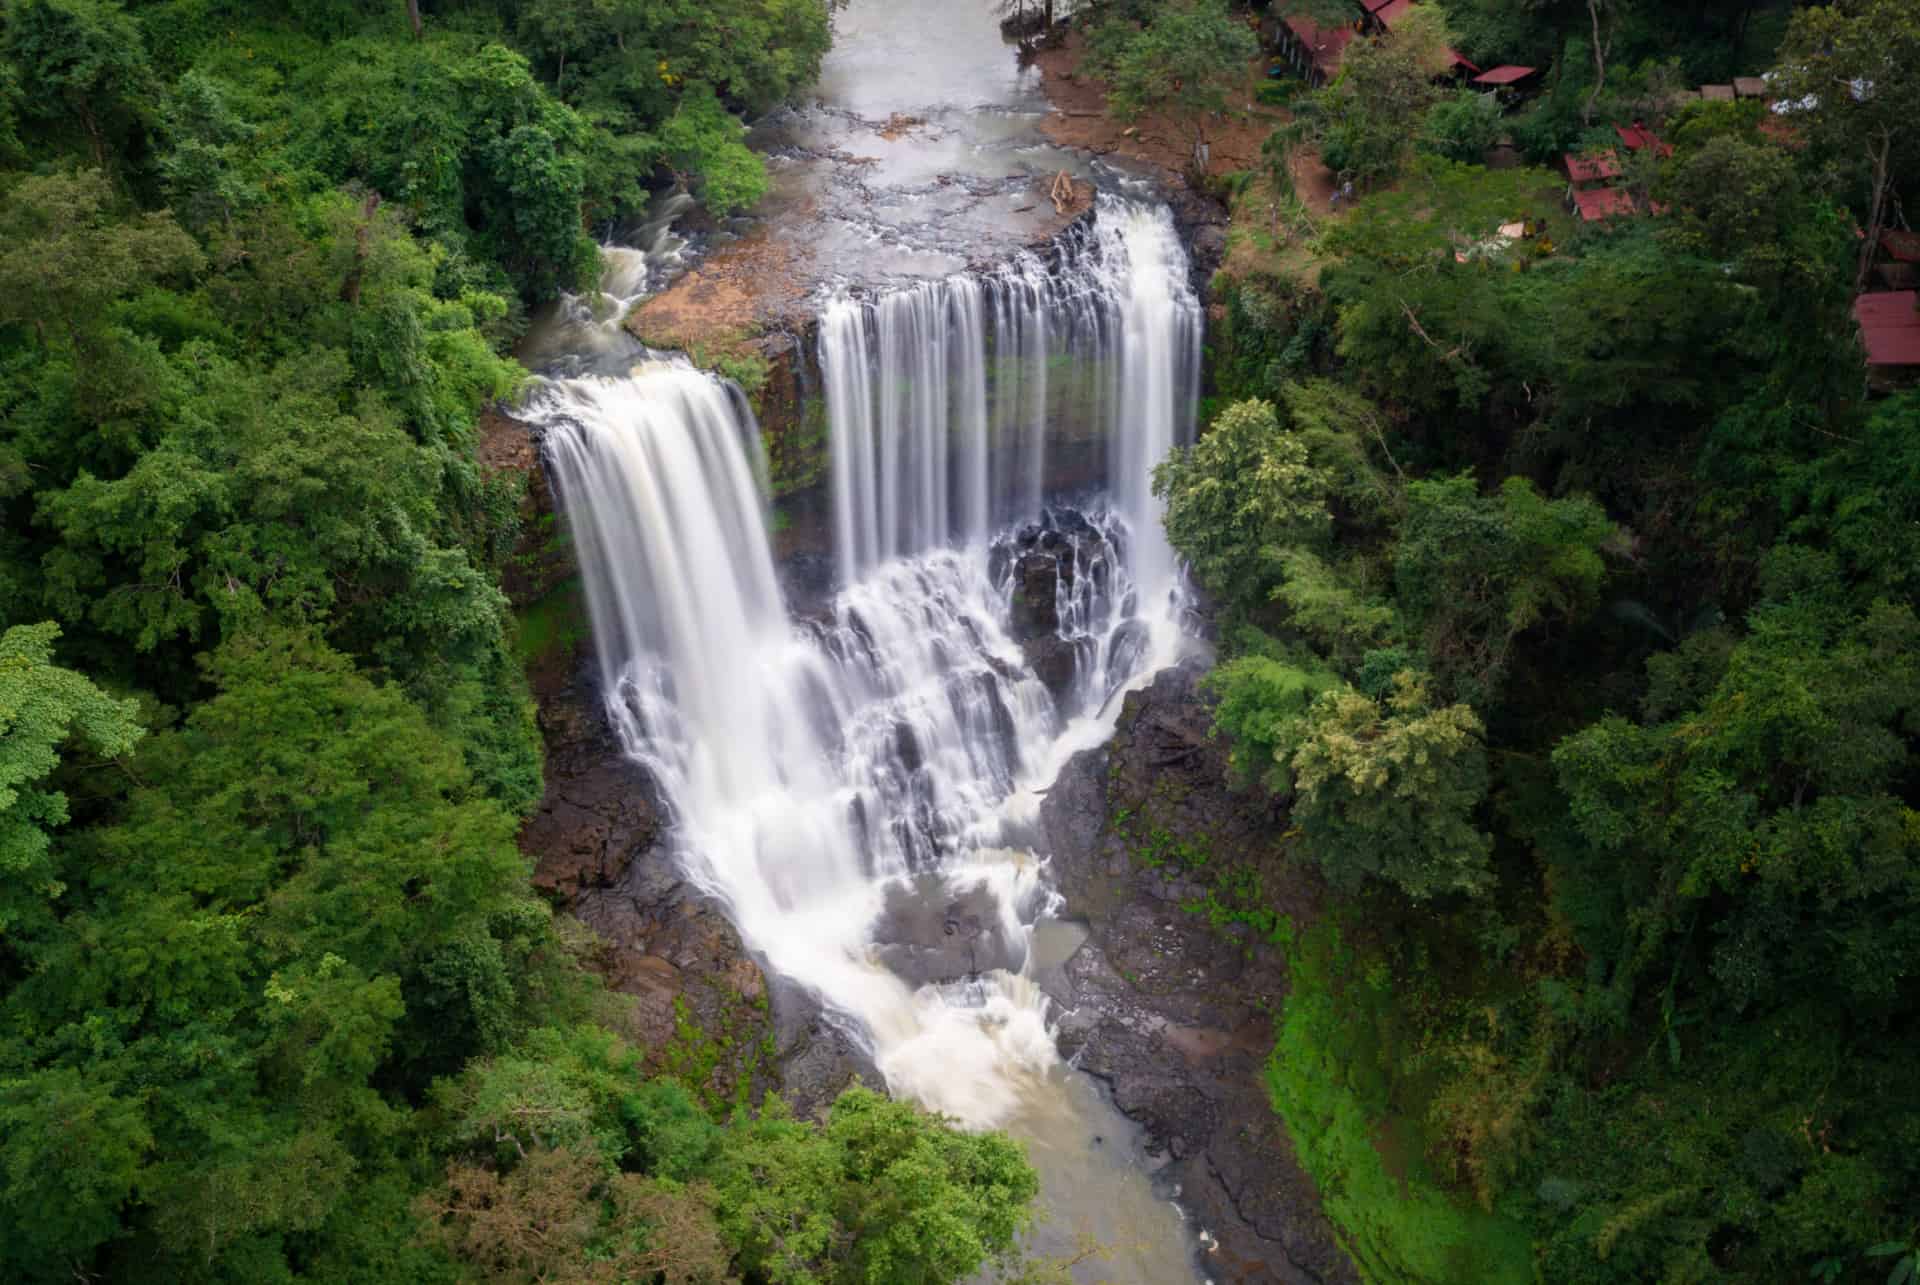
(1081, 120)
(730, 295)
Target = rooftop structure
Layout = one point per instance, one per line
(1595, 167)
(1637, 136)
(1503, 75)
(1597, 203)
(1315, 52)
(1890, 327)
(1751, 87)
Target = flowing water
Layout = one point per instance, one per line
(835, 779)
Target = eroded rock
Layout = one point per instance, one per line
(1174, 1015)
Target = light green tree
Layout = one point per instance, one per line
(1388, 789)
(42, 708)
(1241, 496)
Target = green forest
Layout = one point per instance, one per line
(1568, 618)
(1568, 594)
(276, 999)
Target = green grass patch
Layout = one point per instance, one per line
(1343, 1076)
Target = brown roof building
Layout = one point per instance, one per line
(1890, 327)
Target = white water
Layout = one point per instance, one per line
(901, 736)
(946, 399)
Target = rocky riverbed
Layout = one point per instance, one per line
(1172, 1014)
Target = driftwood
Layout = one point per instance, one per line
(1061, 194)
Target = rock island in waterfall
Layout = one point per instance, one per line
(1022, 642)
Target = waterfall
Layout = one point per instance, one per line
(951, 403)
(817, 771)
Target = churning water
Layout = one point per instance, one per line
(895, 742)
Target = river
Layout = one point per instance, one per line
(858, 783)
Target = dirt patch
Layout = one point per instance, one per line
(1080, 119)
(741, 289)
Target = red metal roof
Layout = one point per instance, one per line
(1596, 167)
(1637, 136)
(1506, 75)
(1459, 59)
(1324, 47)
(1890, 327)
(1596, 203)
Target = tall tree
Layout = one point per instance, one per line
(1847, 76)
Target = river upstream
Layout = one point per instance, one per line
(856, 778)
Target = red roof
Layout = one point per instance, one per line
(1392, 11)
(1596, 203)
(1904, 246)
(1889, 327)
(1458, 59)
(1597, 167)
(1506, 75)
(1637, 136)
(1324, 47)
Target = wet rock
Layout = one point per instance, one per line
(1035, 606)
(1173, 1015)
(1054, 661)
(807, 578)
(816, 1057)
(928, 933)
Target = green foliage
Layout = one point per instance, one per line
(42, 708)
(1262, 708)
(1665, 1041)
(1185, 59)
(1333, 1080)
(1390, 789)
(1238, 497)
(1474, 572)
(700, 137)
(1463, 127)
(883, 1193)
(1361, 121)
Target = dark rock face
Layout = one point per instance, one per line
(1035, 608)
(1054, 661)
(1172, 1014)
(597, 843)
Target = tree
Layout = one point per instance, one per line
(87, 64)
(1463, 127)
(885, 1192)
(1389, 789)
(1240, 496)
(1846, 77)
(1366, 121)
(1769, 804)
(1473, 572)
(42, 706)
(67, 255)
(703, 139)
(1186, 59)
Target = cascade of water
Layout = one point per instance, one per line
(954, 405)
(805, 764)
(901, 736)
